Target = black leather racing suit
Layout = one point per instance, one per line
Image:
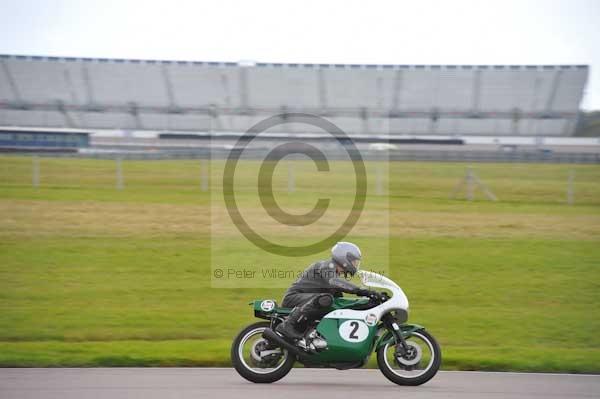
(312, 293)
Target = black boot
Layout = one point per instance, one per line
(289, 326)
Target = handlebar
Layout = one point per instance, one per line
(374, 296)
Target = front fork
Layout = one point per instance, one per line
(390, 323)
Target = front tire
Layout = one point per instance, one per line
(247, 367)
(407, 371)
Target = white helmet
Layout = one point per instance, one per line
(347, 255)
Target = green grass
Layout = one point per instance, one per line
(92, 276)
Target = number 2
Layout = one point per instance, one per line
(354, 326)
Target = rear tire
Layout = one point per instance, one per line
(411, 381)
(242, 367)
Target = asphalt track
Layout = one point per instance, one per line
(150, 383)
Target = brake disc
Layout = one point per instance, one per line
(260, 346)
(413, 355)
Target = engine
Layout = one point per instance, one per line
(313, 341)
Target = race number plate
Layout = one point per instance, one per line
(354, 331)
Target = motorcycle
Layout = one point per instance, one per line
(343, 339)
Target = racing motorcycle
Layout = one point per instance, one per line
(343, 339)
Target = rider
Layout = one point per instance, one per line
(311, 295)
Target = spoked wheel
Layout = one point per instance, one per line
(256, 359)
(415, 367)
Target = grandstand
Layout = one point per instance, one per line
(183, 96)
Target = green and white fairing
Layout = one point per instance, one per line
(350, 334)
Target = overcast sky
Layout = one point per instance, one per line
(378, 32)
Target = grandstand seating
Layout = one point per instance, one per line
(361, 99)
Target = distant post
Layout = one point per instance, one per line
(120, 182)
(571, 188)
(291, 180)
(204, 175)
(379, 180)
(35, 176)
(470, 185)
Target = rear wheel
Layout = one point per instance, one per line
(256, 359)
(417, 366)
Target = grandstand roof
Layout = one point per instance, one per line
(224, 96)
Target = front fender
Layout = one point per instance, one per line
(405, 329)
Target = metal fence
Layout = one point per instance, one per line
(395, 155)
(179, 172)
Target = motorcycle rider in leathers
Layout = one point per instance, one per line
(311, 295)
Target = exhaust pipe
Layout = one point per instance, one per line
(275, 338)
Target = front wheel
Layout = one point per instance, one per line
(256, 359)
(417, 366)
